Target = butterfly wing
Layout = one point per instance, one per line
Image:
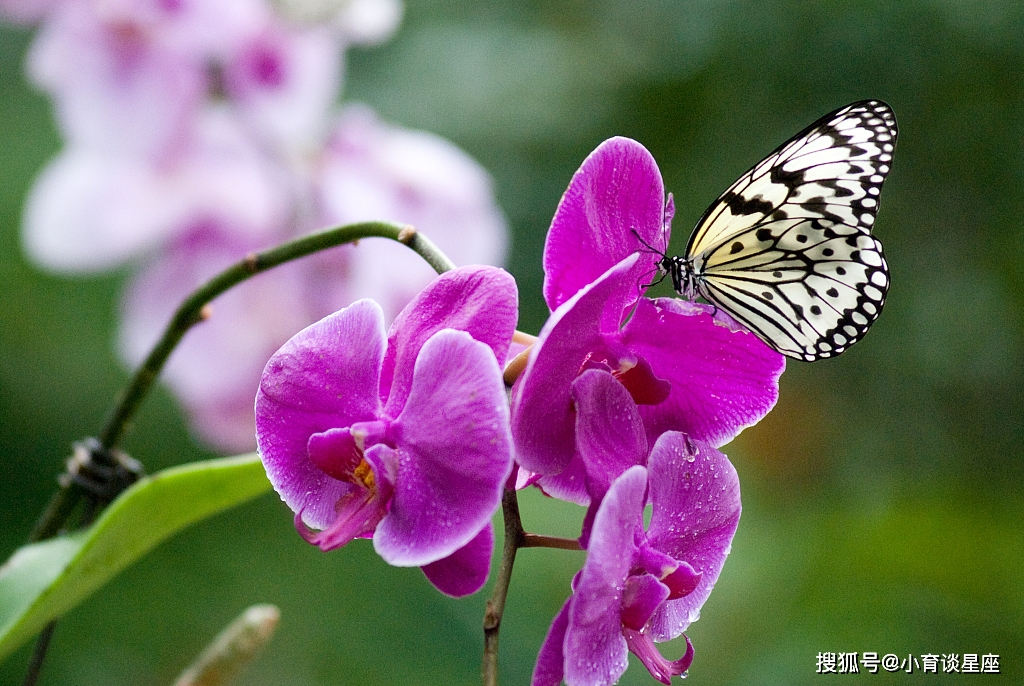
(787, 250)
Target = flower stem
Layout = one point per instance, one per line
(539, 541)
(496, 604)
(190, 312)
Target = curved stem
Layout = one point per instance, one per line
(190, 312)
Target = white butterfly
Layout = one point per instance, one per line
(788, 250)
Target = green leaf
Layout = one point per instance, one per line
(42, 581)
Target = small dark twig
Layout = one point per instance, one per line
(496, 604)
(35, 666)
(539, 541)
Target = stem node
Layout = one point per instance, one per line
(406, 235)
(252, 263)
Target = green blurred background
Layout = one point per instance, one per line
(882, 497)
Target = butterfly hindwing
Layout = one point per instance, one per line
(787, 250)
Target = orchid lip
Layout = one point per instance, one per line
(662, 669)
(359, 512)
(340, 453)
(633, 372)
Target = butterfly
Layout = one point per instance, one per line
(787, 250)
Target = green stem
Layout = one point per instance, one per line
(539, 541)
(190, 312)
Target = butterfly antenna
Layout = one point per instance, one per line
(650, 248)
(647, 245)
(661, 277)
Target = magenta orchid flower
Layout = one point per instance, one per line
(402, 437)
(688, 367)
(640, 587)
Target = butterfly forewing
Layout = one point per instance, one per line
(787, 249)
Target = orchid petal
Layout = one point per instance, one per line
(683, 581)
(595, 650)
(609, 431)
(661, 669)
(358, 512)
(609, 435)
(569, 485)
(617, 190)
(465, 571)
(371, 169)
(640, 598)
(481, 301)
(722, 380)
(695, 495)
(543, 420)
(325, 377)
(285, 83)
(335, 452)
(455, 449)
(550, 667)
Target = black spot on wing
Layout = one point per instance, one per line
(739, 205)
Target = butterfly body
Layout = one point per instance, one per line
(787, 250)
(684, 275)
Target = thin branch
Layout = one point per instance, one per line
(496, 603)
(190, 312)
(539, 541)
(35, 665)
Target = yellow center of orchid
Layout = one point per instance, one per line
(364, 473)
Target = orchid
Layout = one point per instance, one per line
(403, 437)
(638, 586)
(688, 367)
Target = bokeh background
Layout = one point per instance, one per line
(883, 506)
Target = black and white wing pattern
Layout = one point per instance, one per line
(788, 250)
